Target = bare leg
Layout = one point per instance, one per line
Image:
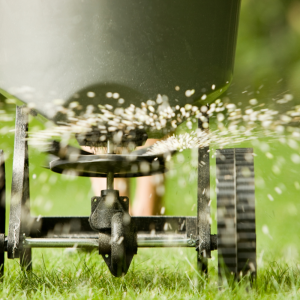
(149, 192)
(148, 196)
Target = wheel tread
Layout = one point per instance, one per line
(236, 211)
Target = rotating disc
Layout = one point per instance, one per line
(129, 165)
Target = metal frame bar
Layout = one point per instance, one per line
(79, 226)
(2, 192)
(2, 211)
(203, 202)
(143, 240)
(155, 231)
(20, 207)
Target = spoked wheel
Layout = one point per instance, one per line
(2, 211)
(236, 213)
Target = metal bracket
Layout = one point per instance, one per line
(193, 241)
(19, 220)
(103, 208)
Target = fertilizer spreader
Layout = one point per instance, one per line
(83, 51)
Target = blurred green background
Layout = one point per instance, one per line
(267, 67)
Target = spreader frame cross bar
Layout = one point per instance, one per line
(26, 232)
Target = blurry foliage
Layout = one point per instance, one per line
(268, 47)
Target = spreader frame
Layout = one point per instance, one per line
(27, 232)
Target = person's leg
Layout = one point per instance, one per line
(148, 197)
(149, 192)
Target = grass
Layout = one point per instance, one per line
(155, 274)
(163, 273)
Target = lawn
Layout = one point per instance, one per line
(266, 66)
(163, 273)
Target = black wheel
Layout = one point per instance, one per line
(123, 245)
(2, 211)
(236, 213)
(118, 249)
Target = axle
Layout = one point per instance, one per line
(143, 241)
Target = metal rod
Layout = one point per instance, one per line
(19, 203)
(146, 241)
(110, 175)
(203, 200)
(167, 241)
(110, 181)
(60, 243)
(2, 192)
(110, 147)
(2, 210)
